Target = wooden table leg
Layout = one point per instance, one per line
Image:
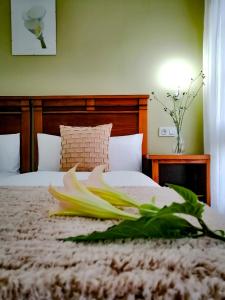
(155, 170)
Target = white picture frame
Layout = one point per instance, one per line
(33, 27)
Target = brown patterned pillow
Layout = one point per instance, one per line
(87, 146)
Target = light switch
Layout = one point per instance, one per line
(172, 131)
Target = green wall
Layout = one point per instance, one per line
(112, 47)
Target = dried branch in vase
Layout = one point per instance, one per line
(177, 104)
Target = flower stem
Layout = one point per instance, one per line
(41, 39)
(208, 232)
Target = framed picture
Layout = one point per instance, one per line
(33, 27)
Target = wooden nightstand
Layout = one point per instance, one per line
(191, 171)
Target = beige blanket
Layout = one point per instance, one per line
(34, 265)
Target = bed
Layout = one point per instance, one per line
(34, 264)
(128, 114)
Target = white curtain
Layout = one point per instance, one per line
(214, 97)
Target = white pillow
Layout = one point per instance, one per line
(125, 152)
(49, 148)
(10, 152)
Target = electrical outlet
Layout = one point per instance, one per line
(163, 131)
(167, 131)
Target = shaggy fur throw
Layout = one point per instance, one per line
(34, 265)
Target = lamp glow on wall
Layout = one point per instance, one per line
(175, 74)
(176, 77)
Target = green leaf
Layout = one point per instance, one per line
(220, 232)
(192, 206)
(159, 223)
(187, 194)
(148, 209)
(167, 226)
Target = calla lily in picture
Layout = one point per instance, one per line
(75, 199)
(33, 21)
(99, 187)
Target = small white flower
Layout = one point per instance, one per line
(33, 21)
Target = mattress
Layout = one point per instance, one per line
(45, 178)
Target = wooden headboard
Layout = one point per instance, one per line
(15, 118)
(127, 113)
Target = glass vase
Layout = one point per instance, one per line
(178, 145)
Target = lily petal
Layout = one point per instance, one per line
(77, 198)
(99, 187)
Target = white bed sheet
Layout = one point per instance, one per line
(4, 175)
(45, 178)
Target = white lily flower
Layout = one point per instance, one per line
(33, 21)
(76, 200)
